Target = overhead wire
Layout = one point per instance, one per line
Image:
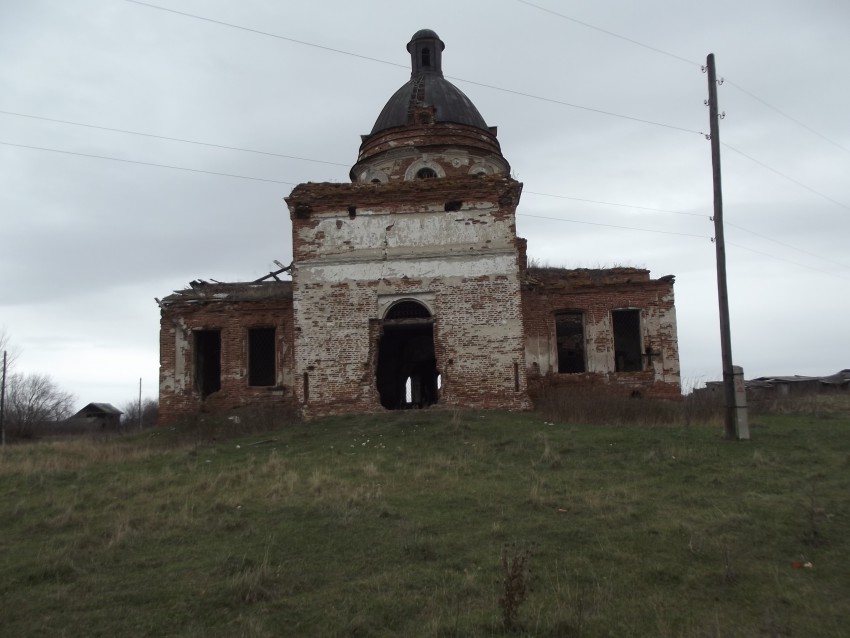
(782, 243)
(611, 33)
(690, 62)
(789, 178)
(503, 89)
(594, 201)
(171, 139)
(395, 64)
(129, 161)
(643, 230)
(530, 215)
(789, 261)
(369, 58)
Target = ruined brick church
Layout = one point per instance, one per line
(410, 288)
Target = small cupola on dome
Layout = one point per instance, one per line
(428, 127)
(426, 53)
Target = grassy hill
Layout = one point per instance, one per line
(432, 524)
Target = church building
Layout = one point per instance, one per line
(410, 288)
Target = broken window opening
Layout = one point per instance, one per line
(627, 350)
(261, 356)
(569, 335)
(426, 173)
(352, 210)
(426, 57)
(408, 310)
(406, 375)
(453, 206)
(207, 361)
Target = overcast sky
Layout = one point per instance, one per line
(87, 243)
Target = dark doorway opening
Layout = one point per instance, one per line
(407, 366)
(569, 331)
(207, 361)
(627, 350)
(261, 360)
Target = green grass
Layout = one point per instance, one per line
(397, 525)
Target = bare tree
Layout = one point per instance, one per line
(6, 346)
(150, 413)
(33, 400)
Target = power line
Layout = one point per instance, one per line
(577, 106)
(782, 243)
(502, 89)
(172, 139)
(387, 62)
(690, 62)
(270, 35)
(128, 161)
(559, 219)
(643, 230)
(785, 115)
(665, 232)
(790, 179)
(611, 33)
(594, 201)
(574, 221)
(795, 263)
(673, 212)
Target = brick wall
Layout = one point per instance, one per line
(233, 314)
(449, 244)
(596, 293)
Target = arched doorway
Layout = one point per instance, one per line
(407, 366)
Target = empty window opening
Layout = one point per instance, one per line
(407, 366)
(352, 210)
(426, 57)
(569, 333)
(453, 206)
(306, 387)
(261, 356)
(207, 361)
(408, 310)
(627, 350)
(426, 173)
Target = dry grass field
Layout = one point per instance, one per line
(553, 523)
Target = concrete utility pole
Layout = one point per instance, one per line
(735, 421)
(140, 403)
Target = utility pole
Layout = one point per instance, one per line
(140, 404)
(3, 402)
(735, 416)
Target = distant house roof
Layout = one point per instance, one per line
(839, 378)
(98, 409)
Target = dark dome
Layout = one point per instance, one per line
(449, 102)
(428, 88)
(424, 33)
